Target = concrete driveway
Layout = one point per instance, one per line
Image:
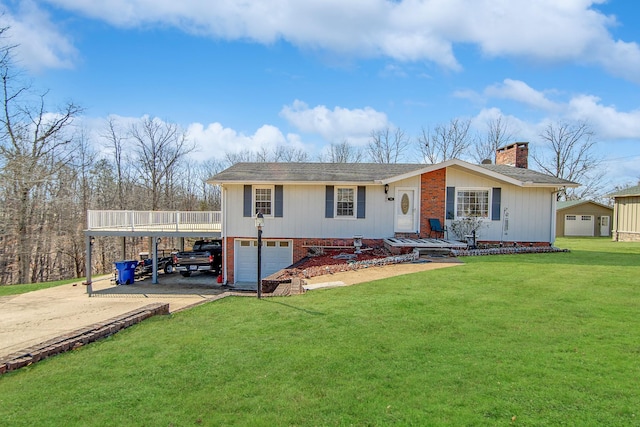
(34, 317)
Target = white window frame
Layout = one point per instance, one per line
(476, 189)
(271, 201)
(354, 189)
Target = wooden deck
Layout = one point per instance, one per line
(154, 223)
(426, 243)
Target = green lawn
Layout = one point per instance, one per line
(550, 339)
(22, 289)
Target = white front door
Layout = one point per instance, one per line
(604, 226)
(406, 212)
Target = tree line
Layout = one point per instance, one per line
(51, 173)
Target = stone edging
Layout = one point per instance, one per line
(79, 337)
(507, 251)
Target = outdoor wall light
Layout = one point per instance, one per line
(259, 220)
(386, 189)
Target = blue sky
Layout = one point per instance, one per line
(245, 75)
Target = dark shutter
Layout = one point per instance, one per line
(495, 204)
(451, 203)
(278, 202)
(362, 200)
(328, 204)
(247, 209)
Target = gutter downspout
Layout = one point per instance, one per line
(554, 200)
(616, 210)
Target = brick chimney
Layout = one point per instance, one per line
(516, 154)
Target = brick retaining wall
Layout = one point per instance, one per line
(79, 337)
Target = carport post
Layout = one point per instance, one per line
(88, 242)
(154, 260)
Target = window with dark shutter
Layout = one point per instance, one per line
(328, 208)
(495, 203)
(278, 201)
(247, 208)
(451, 203)
(362, 200)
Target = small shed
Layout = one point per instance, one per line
(626, 216)
(583, 218)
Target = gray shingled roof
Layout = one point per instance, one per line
(355, 173)
(631, 191)
(313, 172)
(527, 175)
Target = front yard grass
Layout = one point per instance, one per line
(538, 339)
(7, 290)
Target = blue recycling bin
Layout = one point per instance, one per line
(126, 272)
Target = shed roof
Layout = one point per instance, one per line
(566, 204)
(627, 192)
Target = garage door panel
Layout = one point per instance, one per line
(578, 225)
(276, 255)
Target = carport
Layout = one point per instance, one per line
(150, 224)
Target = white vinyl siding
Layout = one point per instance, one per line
(531, 211)
(305, 207)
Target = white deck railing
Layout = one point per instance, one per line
(154, 220)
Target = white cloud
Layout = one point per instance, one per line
(606, 120)
(215, 140)
(335, 125)
(39, 44)
(520, 91)
(610, 123)
(408, 30)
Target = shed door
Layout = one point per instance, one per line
(604, 226)
(276, 255)
(578, 225)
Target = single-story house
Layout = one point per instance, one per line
(583, 218)
(332, 204)
(626, 214)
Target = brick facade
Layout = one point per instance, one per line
(230, 259)
(433, 191)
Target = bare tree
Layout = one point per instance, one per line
(498, 135)
(117, 138)
(568, 153)
(240, 157)
(159, 147)
(34, 146)
(342, 152)
(445, 142)
(290, 154)
(387, 146)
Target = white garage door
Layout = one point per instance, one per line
(578, 225)
(276, 255)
